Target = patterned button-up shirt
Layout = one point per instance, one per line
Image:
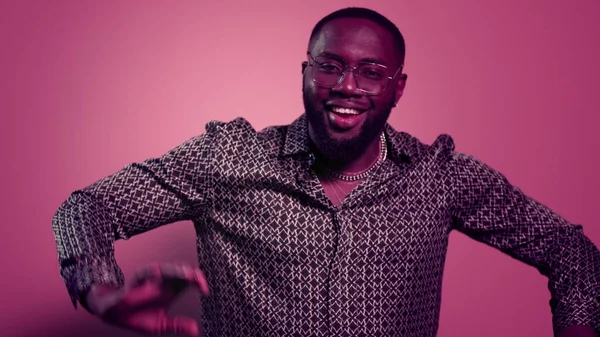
(282, 260)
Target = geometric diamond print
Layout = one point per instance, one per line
(282, 260)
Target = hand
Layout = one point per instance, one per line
(142, 305)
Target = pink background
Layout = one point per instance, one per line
(88, 87)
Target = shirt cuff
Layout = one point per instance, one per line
(577, 309)
(80, 273)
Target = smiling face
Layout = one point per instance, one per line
(344, 120)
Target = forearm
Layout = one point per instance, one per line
(573, 270)
(84, 237)
(134, 200)
(491, 210)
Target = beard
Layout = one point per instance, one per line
(343, 151)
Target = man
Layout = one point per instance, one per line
(335, 225)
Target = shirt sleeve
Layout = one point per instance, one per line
(138, 198)
(492, 211)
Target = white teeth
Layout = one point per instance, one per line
(345, 111)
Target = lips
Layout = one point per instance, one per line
(344, 117)
(345, 111)
(345, 108)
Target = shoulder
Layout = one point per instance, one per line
(239, 134)
(408, 147)
(441, 153)
(239, 126)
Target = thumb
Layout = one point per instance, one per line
(180, 325)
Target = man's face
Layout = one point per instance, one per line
(342, 135)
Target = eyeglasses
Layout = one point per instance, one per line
(371, 78)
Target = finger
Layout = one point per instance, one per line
(201, 281)
(152, 271)
(196, 277)
(179, 325)
(158, 323)
(177, 271)
(144, 294)
(173, 272)
(185, 272)
(178, 276)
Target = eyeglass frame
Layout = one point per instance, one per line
(353, 69)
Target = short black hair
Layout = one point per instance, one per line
(368, 14)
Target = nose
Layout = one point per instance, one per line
(347, 84)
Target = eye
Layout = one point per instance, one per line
(371, 72)
(329, 68)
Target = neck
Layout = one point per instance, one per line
(358, 165)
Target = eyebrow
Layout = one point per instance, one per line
(367, 59)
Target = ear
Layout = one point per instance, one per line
(400, 88)
(304, 65)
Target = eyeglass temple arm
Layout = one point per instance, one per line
(397, 71)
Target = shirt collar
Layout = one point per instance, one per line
(296, 138)
(402, 147)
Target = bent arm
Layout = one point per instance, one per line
(140, 197)
(490, 210)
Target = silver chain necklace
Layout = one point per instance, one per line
(364, 174)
